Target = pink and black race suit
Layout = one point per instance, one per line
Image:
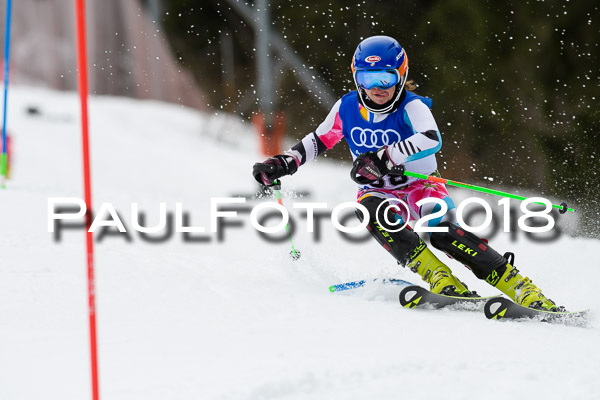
(410, 132)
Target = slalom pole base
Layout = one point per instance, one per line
(3, 169)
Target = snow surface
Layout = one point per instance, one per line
(238, 319)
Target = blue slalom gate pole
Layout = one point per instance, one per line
(4, 156)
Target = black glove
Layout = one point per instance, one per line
(274, 168)
(371, 166)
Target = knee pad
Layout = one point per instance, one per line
(468, 249)
(404, 244)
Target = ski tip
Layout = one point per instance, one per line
(504, 309)
(410, 296)
(494, 309)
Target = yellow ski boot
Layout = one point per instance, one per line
(437, 274)
(521, 290)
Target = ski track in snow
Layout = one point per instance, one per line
(238, 319)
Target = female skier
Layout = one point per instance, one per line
(389, 128)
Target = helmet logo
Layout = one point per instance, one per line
(372, 59)
(400, 54)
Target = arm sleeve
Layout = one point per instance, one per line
(425, 142)
(327, 135)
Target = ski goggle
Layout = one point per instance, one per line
(381, 79)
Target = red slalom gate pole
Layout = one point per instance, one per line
(83, 94)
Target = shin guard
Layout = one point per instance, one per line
(468, 249)
(403, 245)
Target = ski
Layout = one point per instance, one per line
(358, 284)
(503, 308)
(418, 297)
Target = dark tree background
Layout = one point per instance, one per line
(515, 84)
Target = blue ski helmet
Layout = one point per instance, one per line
(379, 61)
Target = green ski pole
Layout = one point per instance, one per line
(276, 187)
(562, 207)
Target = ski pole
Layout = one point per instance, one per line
(562, 207)
(294, 253)
(4, 156)
(357, 284)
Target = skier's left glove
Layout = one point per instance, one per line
(274, 168)
(371, 166)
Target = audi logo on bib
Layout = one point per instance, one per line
(373, 138)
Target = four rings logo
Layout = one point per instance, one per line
(373, 138)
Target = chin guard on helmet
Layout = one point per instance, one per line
(380, 55)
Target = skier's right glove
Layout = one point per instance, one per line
(274, 168)
(371, 166)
